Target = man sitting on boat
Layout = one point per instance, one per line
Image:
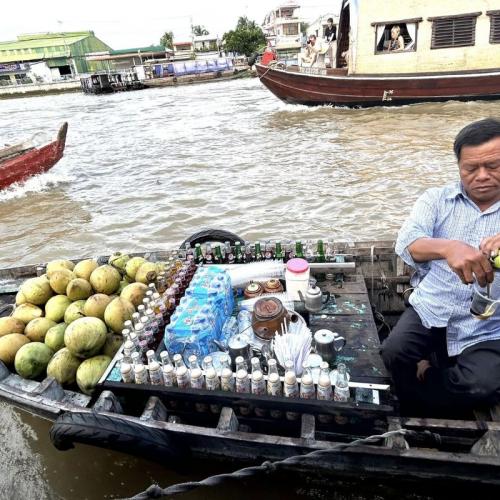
(442, 359)
(314, 54)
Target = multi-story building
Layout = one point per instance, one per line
(318, 26)
(63, 54)
(283, 30)
(206, 46)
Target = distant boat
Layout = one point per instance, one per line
(395, 53)
(21, 161)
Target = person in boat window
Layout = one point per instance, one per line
(396, 41)
(440, 356)
(331, 39)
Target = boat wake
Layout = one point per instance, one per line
(36, 184)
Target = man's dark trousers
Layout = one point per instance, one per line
(453, 385)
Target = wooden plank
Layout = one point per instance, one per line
(308, 427)
(446, 424)
(228, 422)
(396, 442)
(107, 401)
(353, 304)
(154, 410)
(488, 444)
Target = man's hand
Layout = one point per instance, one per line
(422, 367)
(490, 246)
(468, 262)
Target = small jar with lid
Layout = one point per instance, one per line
(297, 277)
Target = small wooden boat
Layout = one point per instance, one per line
(165, 424)
(21, 161)
(447, 52)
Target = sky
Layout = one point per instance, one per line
(127, 23)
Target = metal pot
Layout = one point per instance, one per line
(268, 316)
(314, 299)
(238, 345)
(327, 344)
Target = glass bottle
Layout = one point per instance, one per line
(126, 334)
(258, 252)
(299, 252)
(307, 389)
(217, 255)
(128, 325)
(238, 254)
(268, 254)
(195, 373)
(164, 358)
(198, 254)
(341, 392)
(168, 372)
(127, 373)
(155, 373)
(278, 253)
(258, 384)
(324, 383)
(189, 251)
(309, 251)
(136, 319)
(229, 257)
(290, 387)
(140, 374)
(274, 384)
(248, 252)
(212, 380)
(227, 380)
(320, 255)
(181, 372)
(209, 257)
(150, 356)
(242, 381)
(330, 251)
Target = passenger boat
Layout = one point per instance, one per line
(369, 283)
(450, 51)
(21, 161)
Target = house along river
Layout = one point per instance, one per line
(143, 170)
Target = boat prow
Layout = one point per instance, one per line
(21, 161)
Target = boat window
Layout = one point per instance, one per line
(494, 25)
(383, 40)
(454, 31)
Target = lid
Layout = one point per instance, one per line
(269, 308)
(313, 291)
(324, 336)
(272, 283)
(253, 287)
(297, 265)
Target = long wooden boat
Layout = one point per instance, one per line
(163, 423)
(19, 162)
(450, 53)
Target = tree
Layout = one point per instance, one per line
(245, 39)
(199, 30)
(167, 39)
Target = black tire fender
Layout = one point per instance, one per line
(205, 235)
(116, 434)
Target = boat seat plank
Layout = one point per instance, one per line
(107, 401)
(154, 410)
(50, 388)
(228, 422)
(308, 427)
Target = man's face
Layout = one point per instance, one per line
(312, 40)
(480, 172)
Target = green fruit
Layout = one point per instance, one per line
(11, 325)
(37, 328)
(84, 268)
(123, 284)
(63, 367)
(133, 265)
(78, 289)
(85, 337)
(105, 279)
(90, 371)
(20, 298)
(59, 280)
(146, 273)
(135, 293)
(56, 265)
(36, 290)
(9, 345)
(32, 359)
(113, 343)
(496, 262)
(27, 312)
(74, 312)
(56, 307)
(96, 304)
(118, 311)
(119, 261)
(54, 338)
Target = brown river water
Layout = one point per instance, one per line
(143, 170)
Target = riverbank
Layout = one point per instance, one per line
(38, 89)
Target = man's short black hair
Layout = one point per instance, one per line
(476, 133)
(329, 20)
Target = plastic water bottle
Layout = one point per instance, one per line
(229, 329)
(245, 323)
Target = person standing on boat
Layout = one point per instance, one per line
(331, 40)
(441, 357)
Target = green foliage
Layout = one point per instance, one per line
(245, 39)
(199, 30)
(167, 39)
(304, 27)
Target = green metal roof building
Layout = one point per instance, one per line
(65, 51)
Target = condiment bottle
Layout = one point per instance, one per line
(227, 381)
(290, 387)
(155, 373)
(242, 381)
(341, 392)
(181, 372)
(196, 380)
(140, 374)
(127, 373)
(307, 389)
(325, 392)
(212, 381)
(274, 385)
(258, 384)
(168, 374)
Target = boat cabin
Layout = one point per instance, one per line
(430, 36)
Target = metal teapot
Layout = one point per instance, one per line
(314, 299)
(327, 344)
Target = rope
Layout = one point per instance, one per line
(155, 491)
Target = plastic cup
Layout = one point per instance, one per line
(482, 306)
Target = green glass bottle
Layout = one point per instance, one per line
(198, 254)
(209, 256)
(299, 251)
(278, 253)
(258, 251)
(217, 255)
(320, 256)
(238, 254)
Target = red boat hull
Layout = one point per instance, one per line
(33, 162)
(294, 86)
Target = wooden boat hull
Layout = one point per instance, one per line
(33, 162)
(334, 88)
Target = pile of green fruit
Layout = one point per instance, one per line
(67, 323)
